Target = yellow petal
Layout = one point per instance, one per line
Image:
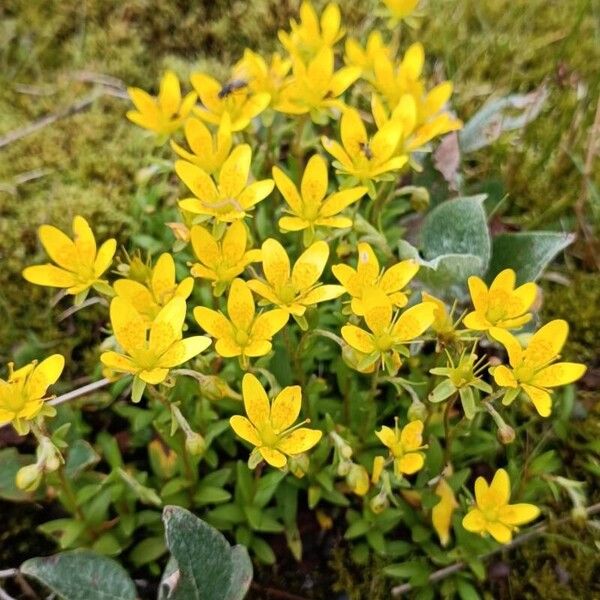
(276, 264)
(104, 257)
(184, 350)
(330, 23)
(153, 376)
(501, 533)
(292, 224)
(267, 324)
(398, 275)
(323, 293)
(85, 244)
(358, 338)
(409, 463)
(118, 362)
(205, 246)
(337, 152)
(411, 437)
(234, 243)
(288, 190)
(500, 487)
(477, 321)
(198, 181)
(143, 101)
(353, 132)
(128, 326)
(314, 181)
(257, 348)
(518, 514)
(244, 429)
(286, 407)
(240, 305)
(541, 399)
(255, 192)
(561, 373)
(481, 491)
(44, 375)
(414, 321)
(378, 310)
(505, 280)
(474, 521)
(166, 328)
(169, 96)
(59, 247)
(340, 200)
(234, 172)
(50, 276)
(213, 322)
(256, 401)
(163, 278)
(273, 457)
(368, 265)
(504, 377)
(413, 61)
(342, 79)
(479, 294)
(385, 141)
(547, 342)
(441, 514)
(227, 347)
(299, 440)
(510, 342)
(387, 436)
(310, 265)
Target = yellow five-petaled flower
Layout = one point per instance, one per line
(221, 261)
(22, 395)
(362, 157)
(297, 288)
(534, 369)
(164, 114)
(157, 288)
(270, 425)
(405, 445)
(388, 336)
(311, 207)
(244, 333)
(492, 512)
(501, 305)
(233, 197)
(368, 276)
(150, 349)
(80, 264)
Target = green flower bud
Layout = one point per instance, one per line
(29, 478)
(195, 444)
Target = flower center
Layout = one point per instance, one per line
(241, 338)
(287, 293)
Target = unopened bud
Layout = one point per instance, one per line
(419, 199)
(417, 411)
(29, 478)
(49, 457)
(214, 388)
(299, 465)
(379, 503)
(579, 514)
(358, 479)
(180, 231)
(506, 434)
(195, 444)
(139, 270)
(344, 468)
(162, 459)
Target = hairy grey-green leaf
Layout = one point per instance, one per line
(81, 575)
(204, 566)
(528, 253)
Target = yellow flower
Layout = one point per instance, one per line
(404, 445)
(368, 276)
(365, 58)
(315, 88)
(441, 513)
(294, 291)
(263, 77)
(400, 9)
(164, 114)
(22, 395)
(501, 305)
(310, 206)
(244, 334)
(233, 99)
(492, 512)
(310, 36)
(208, 152)
(80, 265)
(534, 369)
(150, 349)
(270, 425)
(363, 158)
(160, 287)
(387, 336)
(232, 197)
(223, 260)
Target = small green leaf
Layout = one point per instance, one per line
(81, 457)
(10, 462)
(147, 551)
(81, 575)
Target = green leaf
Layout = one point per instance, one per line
(528, 253)
(81, 457)
(266, 487)
(457, 226)
(466, 590)
(357, 529)
(415, 571)
(211, 495)
(206, 566)
(64, 531)
(81, 575)
(10, 462)
(147, 551)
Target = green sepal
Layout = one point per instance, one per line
(137, 389)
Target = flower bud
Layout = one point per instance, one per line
(378, 465)
(506, 434)
(138, 270)
(419, 199)
(195, 444)
(214, 388)
(298, 465)
(29, 477)
(358, 479)
(162, 459)
(344, 468)
(49, 458)
(180, 231)
(379, 503)
(579, 514)
(417, 411)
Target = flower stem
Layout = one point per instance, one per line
(447, 430)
